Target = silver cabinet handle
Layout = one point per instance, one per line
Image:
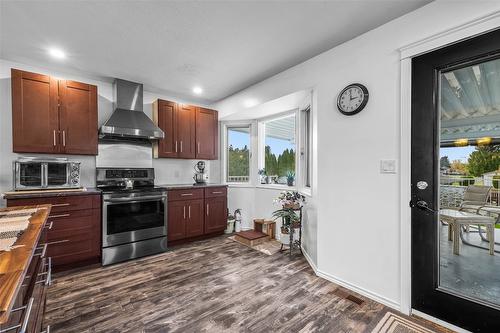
(184, 212)
(60, 215)
(208, 209)
(64, 138)
(176, 146)
(60, 205)
(198, 147)
(189, 212)
(22, 326)
(217, 192)
(44, 250)
(49, 227)
(48, 274)
(181, 146)
(186, 194)
(54, 137)
(47, 329)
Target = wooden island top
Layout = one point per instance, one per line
(14, 263)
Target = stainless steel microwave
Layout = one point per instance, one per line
(43, 173)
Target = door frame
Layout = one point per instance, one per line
(450, 36)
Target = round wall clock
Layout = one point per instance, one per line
(352, 99)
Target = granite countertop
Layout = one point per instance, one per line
(16, 261)
(50, 193)
(190, 186)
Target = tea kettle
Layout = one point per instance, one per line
(200, 177)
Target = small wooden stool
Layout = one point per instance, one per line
(266, 226)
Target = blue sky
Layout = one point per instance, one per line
(457, 153)
(239, 140)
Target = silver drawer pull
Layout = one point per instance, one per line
(44, 250)
(22, 326)
(49, 227)
(217, 192)
(58, 242)
(186, 194)
(48, 274)
(60, 215)
(60, 205)
(47, 329)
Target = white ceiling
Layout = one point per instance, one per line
(222, 46)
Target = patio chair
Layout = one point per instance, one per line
(475, 197)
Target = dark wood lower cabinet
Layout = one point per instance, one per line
(195, 213)
(74, 228)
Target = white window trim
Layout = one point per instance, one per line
(261, 141)
(224, 128)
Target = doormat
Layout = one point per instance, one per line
(270, 247)
(393, 323)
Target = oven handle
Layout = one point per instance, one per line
(139, 199)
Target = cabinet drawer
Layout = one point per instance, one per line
(70, 220)
(61, 204)
(72, 246)
(188, 194)
(211, 192)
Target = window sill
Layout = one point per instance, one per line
(277, 187)
(240, 185)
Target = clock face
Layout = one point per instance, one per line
(352, 99)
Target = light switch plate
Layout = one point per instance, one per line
(388, 166)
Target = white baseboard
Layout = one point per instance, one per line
(439, 321)
(309, 260)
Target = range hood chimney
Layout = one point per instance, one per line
(128, 119)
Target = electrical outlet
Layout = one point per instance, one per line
(388, 166)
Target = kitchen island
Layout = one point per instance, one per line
(25, 272)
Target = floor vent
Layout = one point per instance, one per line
(355, 299)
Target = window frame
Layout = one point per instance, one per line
(306, 138)
(261, 147)
(225, 167)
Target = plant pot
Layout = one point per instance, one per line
(230, 227)
(268, 180)
(237, 225)
(292, 206)
(290, 182)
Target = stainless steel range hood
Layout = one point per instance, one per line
(128, 120)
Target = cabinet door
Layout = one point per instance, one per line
(164, 116)
(177, 218)
(215, 214)
(78, 117)
(207, 134)
(195, 224)
(35, 122)
(186, 130)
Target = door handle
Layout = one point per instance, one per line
(184, 212)
(208, 209)
(176, 146)
(181, 146)
(422, 205)
(54, 132)
(64, 138)
(189, 212)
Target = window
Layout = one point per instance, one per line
(306, 146)
(279, 147)
(238, 154)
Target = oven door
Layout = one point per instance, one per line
(133, 218)
(57, 175)
(29, 175)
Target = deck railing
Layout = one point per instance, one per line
(452, 196)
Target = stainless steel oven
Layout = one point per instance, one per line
(130, 217)
(43, 173)
(134, 214)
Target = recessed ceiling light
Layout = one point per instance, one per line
(57, 53)
(248, 103)
(197, 90)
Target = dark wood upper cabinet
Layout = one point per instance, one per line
(53, 116)
(165, 116)
(35, 123)
(78, 117)
(186, 130)
(190, 131)
(207, 134)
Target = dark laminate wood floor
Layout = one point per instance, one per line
(209, 286)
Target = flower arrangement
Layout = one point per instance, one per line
(290, 199)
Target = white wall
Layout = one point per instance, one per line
(168, 171)
(358, 227)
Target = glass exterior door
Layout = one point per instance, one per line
(455, 173)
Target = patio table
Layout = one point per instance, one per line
(456, 219)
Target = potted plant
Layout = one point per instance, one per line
(290, 178)
(290, 200)
(230, 223)
(263, 175)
